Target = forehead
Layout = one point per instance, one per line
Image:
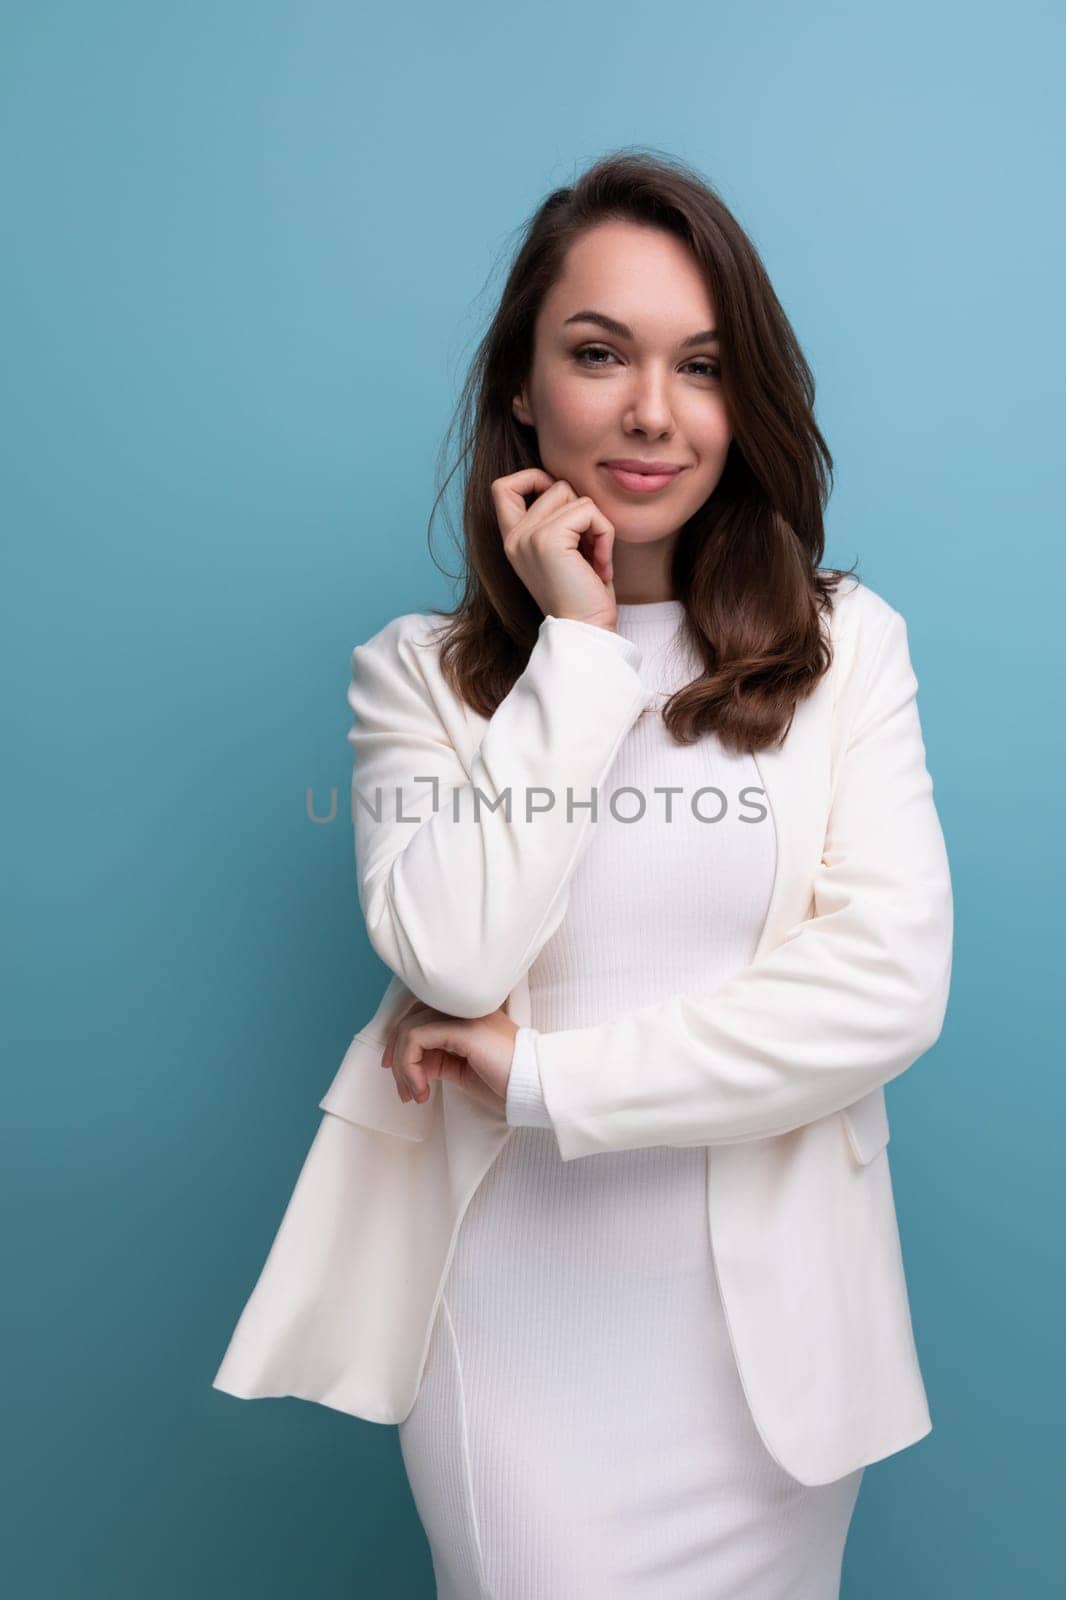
(639, 275)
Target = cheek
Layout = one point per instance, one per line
(573, 414)
(710, 438)
(709, 430)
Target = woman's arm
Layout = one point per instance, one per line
(850, 998)
(458, 897)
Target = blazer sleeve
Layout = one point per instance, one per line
(462, 878)
(851, 997)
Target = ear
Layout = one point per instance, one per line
(521, 409)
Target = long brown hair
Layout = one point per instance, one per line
(746, 564)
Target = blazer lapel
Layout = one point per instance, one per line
(795, 776)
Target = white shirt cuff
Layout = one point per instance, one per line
(525, 1102)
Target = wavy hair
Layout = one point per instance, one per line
(746, 564)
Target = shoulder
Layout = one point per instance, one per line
(860, 622)
(399, 665)
(403, 641)
(414, 629)
(871, 668)
(855, 606)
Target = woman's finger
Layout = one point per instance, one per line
(508, 494)
(432, 1047)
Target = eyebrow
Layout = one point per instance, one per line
(620, 330)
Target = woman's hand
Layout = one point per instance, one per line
(474, 1052)
(561, 546)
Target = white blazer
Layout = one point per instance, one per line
(779, 1071)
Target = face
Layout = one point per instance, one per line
(630, 385)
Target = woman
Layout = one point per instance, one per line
(604, 1397)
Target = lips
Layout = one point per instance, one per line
(642, 477)
(651, 469)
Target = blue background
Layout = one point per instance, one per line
(247, 252)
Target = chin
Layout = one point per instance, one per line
(644, 534)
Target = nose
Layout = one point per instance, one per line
(649, 406)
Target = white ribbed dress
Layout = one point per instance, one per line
(580, 1432)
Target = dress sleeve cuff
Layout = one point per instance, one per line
(525, 1102)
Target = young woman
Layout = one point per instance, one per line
(667, 904)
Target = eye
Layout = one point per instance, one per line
(590, 350)
(711, 369)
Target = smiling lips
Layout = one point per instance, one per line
(643, 477)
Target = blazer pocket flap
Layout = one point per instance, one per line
(866, 1125)
(365, 1093)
